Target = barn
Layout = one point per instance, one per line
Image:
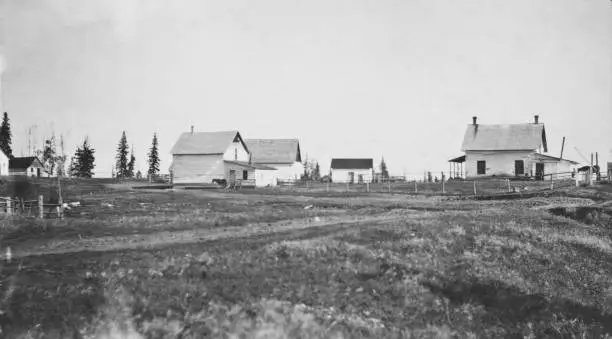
(209, 157)
(282, 154)
(352, 170)
(509, 150)
(28, 166)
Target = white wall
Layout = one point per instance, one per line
(287, 172)
(265, 178)
(342, 175)
(500, 163)
(189, 169)
(241, 152)
(4, 164)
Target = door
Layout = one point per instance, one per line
(232, 177)
(360, 178)
(351, 177)
(539, 171)
(38, 172)
(519, 167)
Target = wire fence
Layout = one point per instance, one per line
(459, 187)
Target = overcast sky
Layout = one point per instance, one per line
(349, 78)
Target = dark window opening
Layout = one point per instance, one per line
(235, 154)
(245, 175)
(519, 167)
(481, 167)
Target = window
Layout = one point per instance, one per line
(481, 167)
(235, 154)
(519, 167)
(245, 175)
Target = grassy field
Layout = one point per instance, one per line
(256, 264)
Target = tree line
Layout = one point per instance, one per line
(82, 162)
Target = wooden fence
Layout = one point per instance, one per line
(34, 208)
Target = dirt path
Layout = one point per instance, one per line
(164, 238)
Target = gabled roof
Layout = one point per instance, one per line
(22, 163)
(205, 142)
(274, 151)
(352, 163)
(504, 137)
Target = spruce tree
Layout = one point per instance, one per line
(317, 172)
(86, 160)
(122, 160)
(6, 136)
(153, 157)
(383, 169)
(131, 164)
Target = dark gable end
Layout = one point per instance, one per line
(352, 163)
(237, 138)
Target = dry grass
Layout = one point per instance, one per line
(437, 269)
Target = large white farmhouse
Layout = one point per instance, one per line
(511, 150)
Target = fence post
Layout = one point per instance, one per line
(508, 182)
(9, 208)
(474, 187)
(368, 187)
(443, 188)
(41, 207)
(416, 189)
(551, 183)
(577, 181)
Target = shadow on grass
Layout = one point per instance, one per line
(48, 296)
(512, 307)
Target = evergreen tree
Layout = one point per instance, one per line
(153, 157)
(383, 169)
(122, 160)
(316, 174)
(131, 164)
(6, 136)
(83, 161)
(86, 160)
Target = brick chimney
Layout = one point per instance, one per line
(535, 119)
(474, 120)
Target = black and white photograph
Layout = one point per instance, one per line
(286, 169)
